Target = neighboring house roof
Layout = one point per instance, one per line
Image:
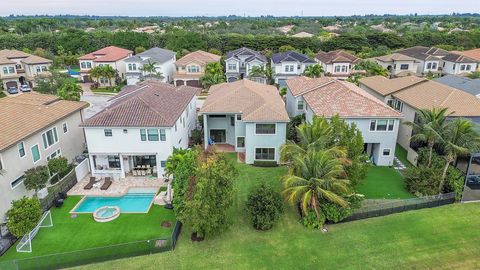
(29, 113)
(291, 56)
(385, 87)
(7, 55)
(336, 97)
(302, 84)
(256, 102)
(33, 59)
(471, 86)
(458, 58)
(248, 52)
(394, 57)
(148, 104)
(303, 35)
(107, 54)
(336, 56)
(157, 55)
(424, 53)
(199, 57)
(427, 94)
(474, 54)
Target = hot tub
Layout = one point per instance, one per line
(106, 213)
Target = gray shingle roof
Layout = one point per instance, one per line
(471, 86)
(457, 58)
(291, 56)
(423, 53)
(246, 51)
(157, 55)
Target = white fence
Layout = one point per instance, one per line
(82, 169)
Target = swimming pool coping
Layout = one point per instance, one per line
(85, 196)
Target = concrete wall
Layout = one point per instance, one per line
(405, 132)
(291, 104)
(254, 141)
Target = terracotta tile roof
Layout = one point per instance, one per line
(336, 56)
(199, 57)
(29, 113)
(474, 54)
(385, 86)
(345, 99)
(148, 104)
(33, 59)
(107, 54)
(255, 101)
(394, 57)
(7, 55)
(300, 85)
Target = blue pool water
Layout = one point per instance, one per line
(129, 203)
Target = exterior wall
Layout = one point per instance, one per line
(291, 104)
(70, 144)
(424, 66)
(374, 93)
(135, 75)
(405, 132)
(253, 141)
(396, 65)
(31, 70)
(347, 65)
(224, 124)
(455, 68)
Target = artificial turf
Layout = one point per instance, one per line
(383, 183)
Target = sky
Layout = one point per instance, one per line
(235, 7)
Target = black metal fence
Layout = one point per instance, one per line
(176, 233)
(397, 206)
(64, 185)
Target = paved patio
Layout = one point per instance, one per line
(223, 147)
(118, 187)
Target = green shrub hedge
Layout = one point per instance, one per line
(265, 163)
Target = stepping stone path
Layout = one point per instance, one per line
(398, 165)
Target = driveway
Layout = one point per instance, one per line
(97, 103)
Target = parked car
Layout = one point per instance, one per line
(25, 88)
(473, 182)
(12, 90)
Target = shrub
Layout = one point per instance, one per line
(454, 182)
(23, 216)
(59, 166)
(264, 206)
(422, 180)
(336, 213)
(2, 94)
(197, 136)
(36, 178)
(292, 127)
(312, 222)
(265, 163)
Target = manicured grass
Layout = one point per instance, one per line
(401, 154)
(82, 232)
(383, 183)
(445, 237)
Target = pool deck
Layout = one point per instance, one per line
(118, 187)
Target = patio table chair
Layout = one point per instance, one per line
(107, 183)
(90, 184)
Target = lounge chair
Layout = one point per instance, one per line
(106, 184)
(90, 183)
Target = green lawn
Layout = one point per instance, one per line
(82, 232)
(383, 183)
(401, 154)
(445, 237)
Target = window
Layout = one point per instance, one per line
(113, 161)
(382, 125)
(163, 135)
(232, 66)
(240, 142)
(289, 68)
(132, 67)
(83, 65)
(265, 128)
(65, 128)
(163, 163)
(217, 116)
(50, 137)
(21, 149)
(467, 67)
(17, 182)
(239, 117)
(232, 121)
(152, 135)
(462, 67)
(434, 66)
(337, 68)
(35, 153)
(386, 152)
(107, 132)
(38, 69)
(89, 65)
(193, 69)
(404, 66)
(453, 65)
(396, 104)
(104, 80)
(300, 105)
(391, 124)
(143, 135)
(175, 127)
(265, 153)
(44, 68)
(429, 66)
(8, 70)
(183, 122)
(1, 164)
(54, 154)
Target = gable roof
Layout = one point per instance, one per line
(7, 55)
(33, 59)
(29, 113)
(256, 102)
(474, 54)
(291, 56)
(458, 58)
(385, 87)
(107, 54)
(157, 55)
(336, 56)
(246, 51)
(199, 57)
(345, 99)
(424, 53)
(148, 104)
(471, 86)
(395, 57)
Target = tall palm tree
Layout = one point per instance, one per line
(314, 179)
(109, 73)
(211, 79)
(459, 138)
(96, 73)
(150, 70)
(257, 72)
(313, 71)
(427, 129)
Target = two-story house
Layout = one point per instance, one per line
(162, 60)
(289, 64)
(398, 65)
(18, 68)
(111, 56)
(328, 97)
(191, 67)
(338, 63)
(429, 59)
(249, 117)
(140, 128)
(35, 128)
(409, 94)
(239, 63)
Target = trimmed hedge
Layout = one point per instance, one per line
(265, 163)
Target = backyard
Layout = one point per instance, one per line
(445, 237)
(383, 183)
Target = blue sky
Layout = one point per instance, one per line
(236, 7)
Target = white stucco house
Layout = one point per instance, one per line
(239, 63)
(398, 65)
(456, 64)
(35, 128)
(162, 59)
(140, 128)
(19, 68)
(249, 117)
(328, 97)
(338, 63)
(289, 64)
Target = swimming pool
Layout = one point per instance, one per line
(137, 200)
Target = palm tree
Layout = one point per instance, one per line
(96, 73)
(150, 70)
(257, 72)
(270, 74)
(459, 138)
(313, 71)
(431, 122)
(315, 178)
(109, 73)
(70, 91)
